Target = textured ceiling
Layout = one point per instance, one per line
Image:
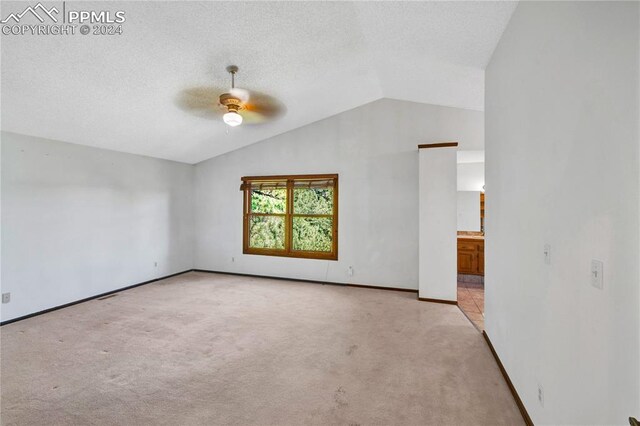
(319, 58)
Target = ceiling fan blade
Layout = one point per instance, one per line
(268, 107)
(201, 101)
(243, 94)
(252, 117)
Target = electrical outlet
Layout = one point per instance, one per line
(6, 297)
(547, 254)
(155, 264)
(350, 271)
(597, 274)
(540, 395)
(233, 259)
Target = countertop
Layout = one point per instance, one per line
(470, 237)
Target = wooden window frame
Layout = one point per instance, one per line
(288, 217)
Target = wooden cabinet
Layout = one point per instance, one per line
(471, 256)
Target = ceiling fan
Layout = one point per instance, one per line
(236, 106)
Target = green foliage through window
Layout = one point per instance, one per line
(267, 232)
(312, 233)
(269, 200)
(313, 200)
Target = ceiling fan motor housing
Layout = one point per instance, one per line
(231, 102)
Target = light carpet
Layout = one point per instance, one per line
(209, 349)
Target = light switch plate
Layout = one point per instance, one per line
(6, 297)
(597, 274)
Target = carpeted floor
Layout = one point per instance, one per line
(205, 349)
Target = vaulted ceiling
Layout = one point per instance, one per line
(319, 58)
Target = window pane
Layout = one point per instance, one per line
(312, 233)
(313, 200)
(266, 232)
(268, 200)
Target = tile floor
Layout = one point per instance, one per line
(471, 302)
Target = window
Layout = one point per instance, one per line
(292, 216)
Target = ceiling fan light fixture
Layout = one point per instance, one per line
(232, 118)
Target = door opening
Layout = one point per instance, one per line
(471, 234)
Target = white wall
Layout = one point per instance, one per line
(374, 150)
(437, 224)
(80, 221)
(562, 147)
(471, 176)
(468, 210)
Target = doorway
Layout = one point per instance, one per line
(470, 247)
